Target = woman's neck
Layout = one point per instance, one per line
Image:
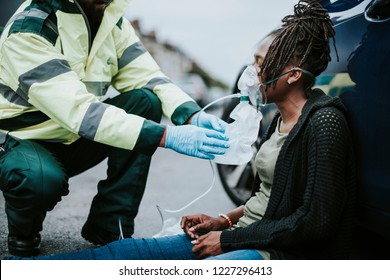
(290, 111)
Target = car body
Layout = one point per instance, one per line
(366, 60)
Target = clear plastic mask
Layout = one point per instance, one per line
(248, 84)
(242, 133)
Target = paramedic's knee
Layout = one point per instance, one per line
(34, 183)
(141, 102)
(55, 185)
(151, 105)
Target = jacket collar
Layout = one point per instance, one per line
(113, 13)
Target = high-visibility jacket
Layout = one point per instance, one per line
(52, 77)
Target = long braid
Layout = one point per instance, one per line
(303, 41)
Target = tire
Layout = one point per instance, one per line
(237, 181)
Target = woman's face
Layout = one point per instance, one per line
(279, 91)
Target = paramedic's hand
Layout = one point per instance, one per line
(208, 121)
(195, 141)
(194, 225)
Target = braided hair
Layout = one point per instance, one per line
(302, 41)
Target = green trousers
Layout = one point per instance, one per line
(34, 174)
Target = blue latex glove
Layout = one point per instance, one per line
(205, 120)
(196, 141)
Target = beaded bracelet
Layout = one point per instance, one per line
(227, 218)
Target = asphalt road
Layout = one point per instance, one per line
(174, 181)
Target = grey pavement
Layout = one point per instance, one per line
(174, 180)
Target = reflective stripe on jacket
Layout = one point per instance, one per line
(52, 77)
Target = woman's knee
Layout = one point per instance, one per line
(175, 247)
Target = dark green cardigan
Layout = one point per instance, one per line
(311, 208)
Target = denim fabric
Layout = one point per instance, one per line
(177, 247)
(247, 254)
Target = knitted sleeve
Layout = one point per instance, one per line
(319, 212)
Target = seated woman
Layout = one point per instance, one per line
(302, 204)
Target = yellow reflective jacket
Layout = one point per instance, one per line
(52, 77)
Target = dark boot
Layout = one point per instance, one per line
(99, 236)
(24, 246)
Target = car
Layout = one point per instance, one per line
(359, 78)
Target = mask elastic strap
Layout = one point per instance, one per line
(285, 73)
(275, 79)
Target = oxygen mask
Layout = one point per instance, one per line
(244, 129)
(249, 85)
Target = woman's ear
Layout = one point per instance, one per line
(294, 76)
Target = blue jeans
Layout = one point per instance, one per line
(176, 247)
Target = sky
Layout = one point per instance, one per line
(220, 35)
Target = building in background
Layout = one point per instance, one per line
(179, 67)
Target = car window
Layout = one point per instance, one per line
(335, 6)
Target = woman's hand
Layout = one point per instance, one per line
(207, 245)
(194, 225)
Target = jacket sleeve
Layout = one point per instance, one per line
(137, 69)
(319, 214)
(41, 74)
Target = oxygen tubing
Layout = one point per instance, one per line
(161, 209)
